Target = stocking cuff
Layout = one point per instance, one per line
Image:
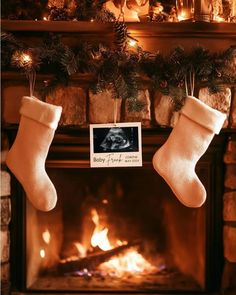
(45, 113)
(203, 114)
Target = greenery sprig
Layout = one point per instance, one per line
(122, 71)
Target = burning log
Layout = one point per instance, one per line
(90, 262)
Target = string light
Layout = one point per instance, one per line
(182, 16)
(219, 19)
(22, 60)
(26, 58)
(132, 42)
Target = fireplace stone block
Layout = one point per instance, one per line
(101, 107)
(5, 210)
(73, 101)
(230, 206)
(230, 176)
(163, 109)
(230, 155)
(230, 243)
(144, 115)
(233, 109)
(220, 101)
(5, 184)
(4, 248)
(5, 276)
(11, 96)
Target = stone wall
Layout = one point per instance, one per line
(229, 217)
(5, 220)
(81, 106)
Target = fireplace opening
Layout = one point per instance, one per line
(115, 230)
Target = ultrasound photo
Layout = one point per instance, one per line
(115, 139)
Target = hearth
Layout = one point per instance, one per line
(119, 229)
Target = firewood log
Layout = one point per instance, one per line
(92, 261)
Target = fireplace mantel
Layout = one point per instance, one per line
(146, 28)
(151, 36)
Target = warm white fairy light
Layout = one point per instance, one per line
(26, 58)
(219, 19)
(182, 16)
(22, 60)
(132, 42)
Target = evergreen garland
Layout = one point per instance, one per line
(57, 14)
(90, 9)
(122, 71)
(23, 10)
(35, 9)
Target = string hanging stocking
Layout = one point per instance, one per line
(191, 83)
(115, 111)
(31, 75)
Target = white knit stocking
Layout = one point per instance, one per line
(26, 158)
(175, 161)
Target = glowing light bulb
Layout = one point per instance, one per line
(132, 43)
(45, 18)
(219, 19)
(26, 58)
(182, 16)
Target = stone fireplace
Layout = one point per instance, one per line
(175, 249)
(136, 215)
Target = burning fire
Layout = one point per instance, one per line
(129, 261)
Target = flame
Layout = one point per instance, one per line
(99, 236)
(130, 262)
(42, 253)
(81, 249)
(46, 236)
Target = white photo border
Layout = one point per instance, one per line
(118, 158)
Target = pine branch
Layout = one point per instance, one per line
(68, 61)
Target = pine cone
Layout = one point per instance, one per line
(58, 14)
(105, 16)
(121, 34)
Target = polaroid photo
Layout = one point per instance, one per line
(116, 145)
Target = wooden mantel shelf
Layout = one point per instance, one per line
(147, 28)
